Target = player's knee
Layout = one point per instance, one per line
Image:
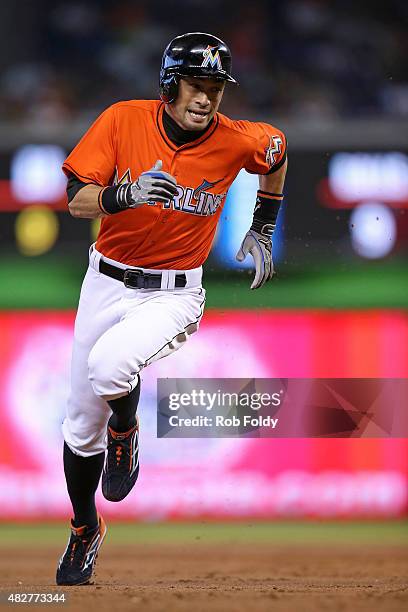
(100, 374)
(84, 441)
(108, 379)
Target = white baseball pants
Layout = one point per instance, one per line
(119, 331)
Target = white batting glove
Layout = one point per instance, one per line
(152, 186)
(260, 247)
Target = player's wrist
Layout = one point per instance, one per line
(261, 227)
(266, 212)
(115, 199)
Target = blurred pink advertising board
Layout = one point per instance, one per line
(220, 477)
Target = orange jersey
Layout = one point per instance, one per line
(128, 138)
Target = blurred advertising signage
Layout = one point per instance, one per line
(35, 178)
(358, 177)
(371, 184)
(36, 174)
(213, 477)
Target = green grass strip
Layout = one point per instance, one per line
(381, 533)
(54, 282)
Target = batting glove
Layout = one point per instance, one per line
(260, 247)
(152, 186)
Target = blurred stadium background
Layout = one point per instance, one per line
(332, 75)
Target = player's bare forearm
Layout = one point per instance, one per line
(273, 183)
(85, 204)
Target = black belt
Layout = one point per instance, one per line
(135, 278)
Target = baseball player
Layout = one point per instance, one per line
(157, 173)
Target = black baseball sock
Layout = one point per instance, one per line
(82, 475)
(124, 410)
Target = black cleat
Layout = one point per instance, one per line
(78, 561)
(122, 463)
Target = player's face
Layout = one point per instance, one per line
(197, 102)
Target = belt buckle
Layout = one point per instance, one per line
(136, 274)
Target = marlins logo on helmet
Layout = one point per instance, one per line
(211, 59)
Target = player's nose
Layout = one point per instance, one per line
(202, 99)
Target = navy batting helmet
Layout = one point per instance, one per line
(194, 54)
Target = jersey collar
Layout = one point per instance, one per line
(188, 145)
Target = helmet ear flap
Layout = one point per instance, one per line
(168, 87)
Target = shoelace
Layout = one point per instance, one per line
(118, 454)
(78, 546)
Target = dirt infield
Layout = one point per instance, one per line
(198, 576)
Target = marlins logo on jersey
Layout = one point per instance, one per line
(126, 178)
(211, 58)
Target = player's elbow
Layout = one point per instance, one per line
(74, 209)
(75, 205)
(85, 203)
(83, 210)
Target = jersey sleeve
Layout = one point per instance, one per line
(93, 160)
(267, 150)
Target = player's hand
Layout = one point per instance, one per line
(153, 186)
(260, 247)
